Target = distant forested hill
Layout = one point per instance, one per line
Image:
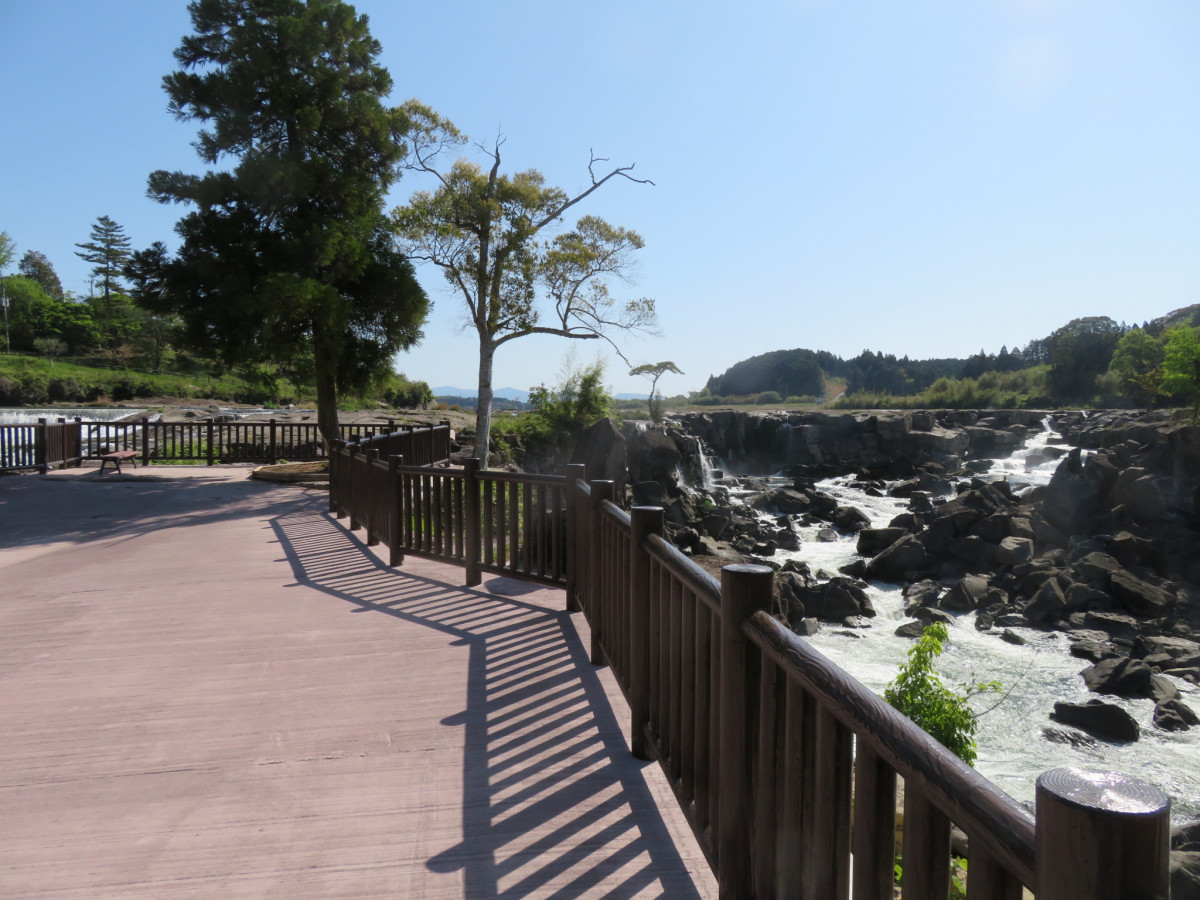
(1075, 363)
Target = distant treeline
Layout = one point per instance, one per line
(1076, 364)
(462, 402)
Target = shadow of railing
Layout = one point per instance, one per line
(553, 803)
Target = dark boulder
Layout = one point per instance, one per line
(1185, 875)
(920, 594)
(913, 629)
(1097, 718)
(872, 541)
(1124, 677)
(604, 450)
(966, 595)
(847, 518)
(654, 455)
(1048, 604)
(1069, 738)
(1014, 550)
(905, 560)
(1174, 715)
(836, 599)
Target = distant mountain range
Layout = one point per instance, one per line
(509, 394)
(504, 393)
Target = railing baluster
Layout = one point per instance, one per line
(926, 845)
(874, 825)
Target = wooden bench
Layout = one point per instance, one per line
(115, 458)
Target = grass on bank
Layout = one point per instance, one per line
(34, 381)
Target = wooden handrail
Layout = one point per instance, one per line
(784, 764)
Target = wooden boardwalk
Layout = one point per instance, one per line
(209, 688)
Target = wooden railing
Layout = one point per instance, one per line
(50, 445)
(210, 442)
(786, 767)
(43, 446)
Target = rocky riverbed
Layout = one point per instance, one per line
(1103, 556)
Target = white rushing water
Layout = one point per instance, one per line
(1012, 748)
(23, 415)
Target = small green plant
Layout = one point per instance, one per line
(958, 876)
(919, 693)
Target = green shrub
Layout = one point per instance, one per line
(919, 693)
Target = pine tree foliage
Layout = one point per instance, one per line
(107, 251)
(287, 256)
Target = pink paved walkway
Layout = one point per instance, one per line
(209, 688)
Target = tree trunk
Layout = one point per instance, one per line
(483, 402)
(327, 404)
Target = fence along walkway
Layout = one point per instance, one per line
(48, 445)
(785, 765)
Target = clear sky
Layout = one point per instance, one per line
(928, 178)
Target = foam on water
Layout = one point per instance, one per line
(1013, 750)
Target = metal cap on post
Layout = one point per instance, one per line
(1101, 835)
(744, 590)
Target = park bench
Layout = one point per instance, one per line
(115, 458)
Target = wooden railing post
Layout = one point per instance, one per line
(471, 519)
(644, 521)
(210, 436)
(744, 590)
(396, 487)
(1101, 835)
(145, 441)
(598, 614)
(41, 447)
(370, 501)
(334, 479)
(575, 533)
(355, 486)
(273, 451)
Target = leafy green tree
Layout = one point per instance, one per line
(1081, 350)
(1138, 362)
(36, 266)
(919, 693)
(1181, 366)
(117, 321)
(483, 229)
(8, 250)
(31, 312)
(655, 371)
(107, 251)
(288, 257)
(50, 347)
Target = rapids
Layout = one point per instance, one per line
(1013, 749)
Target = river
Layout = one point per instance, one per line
(1013, 750)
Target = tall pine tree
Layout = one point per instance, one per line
(107, 251)
(288, 257)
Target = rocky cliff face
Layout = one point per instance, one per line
(1108, 552)
(882, 443)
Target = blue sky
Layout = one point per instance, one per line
(926, 178)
